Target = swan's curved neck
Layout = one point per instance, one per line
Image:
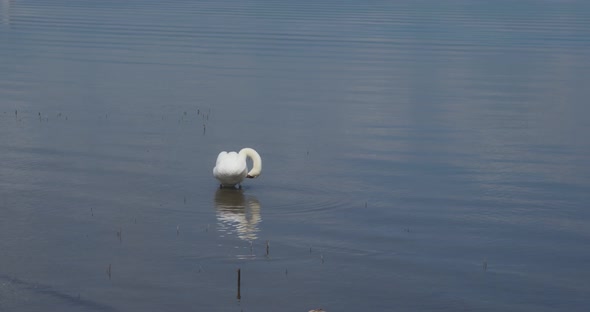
(256, 161)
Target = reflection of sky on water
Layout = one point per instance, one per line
(237, 213)
(5, 8)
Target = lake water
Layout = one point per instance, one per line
(417, 155)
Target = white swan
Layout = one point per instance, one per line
(231, 168)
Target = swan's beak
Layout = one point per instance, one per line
(250, 177)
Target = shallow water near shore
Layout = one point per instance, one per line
(417, 155)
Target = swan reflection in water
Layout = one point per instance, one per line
(237, 213)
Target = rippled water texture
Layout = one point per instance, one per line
(417, 155)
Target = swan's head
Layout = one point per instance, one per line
(252, 175)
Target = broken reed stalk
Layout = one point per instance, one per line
(239, 284)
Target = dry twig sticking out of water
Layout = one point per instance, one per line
(239, 283)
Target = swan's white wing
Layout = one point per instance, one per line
(220, 157)
(230, 168)
(230, 163)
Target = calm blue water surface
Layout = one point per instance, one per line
(417, 155)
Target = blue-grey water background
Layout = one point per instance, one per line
(417, 155)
